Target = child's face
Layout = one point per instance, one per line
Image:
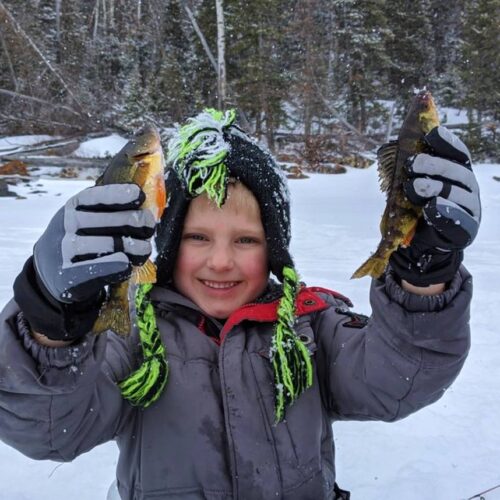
(222, 261)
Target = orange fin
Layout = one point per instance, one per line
(114, 314)
(145, 274)
(409, 236)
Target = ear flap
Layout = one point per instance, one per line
(169, 231)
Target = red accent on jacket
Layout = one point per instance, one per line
(307, 302)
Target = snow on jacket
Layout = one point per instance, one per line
(212, 435)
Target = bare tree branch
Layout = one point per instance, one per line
(10, 93)
(31, 120)
(200, 34)
(33, 45)
(9, 62)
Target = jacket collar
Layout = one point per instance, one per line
(262, 310)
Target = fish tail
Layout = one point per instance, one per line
(115, 314)
(374, 267)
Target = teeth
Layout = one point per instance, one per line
(219, 284)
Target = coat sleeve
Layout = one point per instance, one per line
(56, 403)
(406, 355)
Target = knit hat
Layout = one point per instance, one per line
(202, 156)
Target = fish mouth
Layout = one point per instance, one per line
(220, 285)
(147, 142)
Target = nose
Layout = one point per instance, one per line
(220, 258)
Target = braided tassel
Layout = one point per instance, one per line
(145, 385)
(293, 372)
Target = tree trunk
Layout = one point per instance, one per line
(9, 63)
(200, 34)
(58, 31)
(221, 61)
(17, 28)
(112, 13)
(96, 20)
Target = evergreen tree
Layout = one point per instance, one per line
(481, 58)
(446, 20)
(410, 47)
(307, 44)
(257, 61)
(479, 71)
(361, 58)
(174, 85)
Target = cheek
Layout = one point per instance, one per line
(185, 265)
(257, 266)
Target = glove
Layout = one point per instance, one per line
(441, 180)
(91, 242)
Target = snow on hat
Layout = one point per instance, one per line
(202, 156)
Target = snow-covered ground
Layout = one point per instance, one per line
(449, 451)
(100, 147)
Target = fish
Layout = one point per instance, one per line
(141, 162)
(400, 217)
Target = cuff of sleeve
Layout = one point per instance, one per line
(54, 357)
(420, 303)
(54, 319)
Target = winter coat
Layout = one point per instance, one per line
(212, 434)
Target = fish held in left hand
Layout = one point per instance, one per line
(140, 162)
(400, 217)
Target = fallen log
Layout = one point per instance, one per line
(54, 161)
(53, 144)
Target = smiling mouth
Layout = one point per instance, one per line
(220, 285)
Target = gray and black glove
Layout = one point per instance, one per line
(91, 242)
(442, 181)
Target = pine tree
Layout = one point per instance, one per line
(257, 61)
(446, 20)
(479, 71)
(173, 87)
(410, 48)
(361, 58)
(309, 67)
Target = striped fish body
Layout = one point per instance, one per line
(140, 162)
(400, 217)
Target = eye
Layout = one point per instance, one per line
(247, 240)
(194, 237)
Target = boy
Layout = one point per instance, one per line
(257, 370)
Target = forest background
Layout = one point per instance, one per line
(306, 68)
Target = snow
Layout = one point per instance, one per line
(448, 116)
(11, 144)
(448, 451)
(101, 147)
(453, 116)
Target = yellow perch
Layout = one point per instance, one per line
(141, 162)
(400, 217)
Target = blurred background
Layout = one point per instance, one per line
(310, 78)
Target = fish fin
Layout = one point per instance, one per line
(98, 181)
(114, 314)
(161, 196)
(386, 156)
(145, 274)
(142, 172)
(409, 235)
(374, 267)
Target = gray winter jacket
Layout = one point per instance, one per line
(212, 433)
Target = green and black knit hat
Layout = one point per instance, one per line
(202, 156)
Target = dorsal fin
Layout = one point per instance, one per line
(386, 156)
